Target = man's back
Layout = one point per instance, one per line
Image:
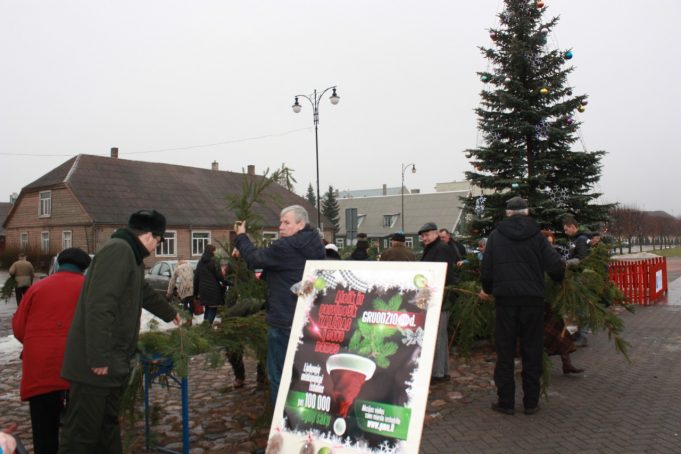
(515, 259)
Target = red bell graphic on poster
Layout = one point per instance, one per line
(348, 374)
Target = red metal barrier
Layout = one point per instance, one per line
(642, 281)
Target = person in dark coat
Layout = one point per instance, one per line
(41, 324)
(577, 249)
(283, 263)
(103, 336)
(516, 257)
(361, 251)
(459, 249)
(398, 252)
(435, 250)
(209, 284)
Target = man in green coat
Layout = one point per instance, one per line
(103, 337)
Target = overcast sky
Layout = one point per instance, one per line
(191, 82)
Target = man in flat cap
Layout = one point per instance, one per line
(103, 336)
(516, 256)
(41, 324)
(398, 252)
(435, 250)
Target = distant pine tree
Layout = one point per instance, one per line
(310, 196)
(528, 121)
(331, 209)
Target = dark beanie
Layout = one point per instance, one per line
(398, 237)
(148, 221)
(74, 256)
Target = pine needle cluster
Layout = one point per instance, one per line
(371, 341)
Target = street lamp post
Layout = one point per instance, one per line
(413, 170)
(314, 101)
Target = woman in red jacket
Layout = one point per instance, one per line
(41, 324)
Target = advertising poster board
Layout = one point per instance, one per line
(359, 358)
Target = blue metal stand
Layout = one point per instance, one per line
(154, 369)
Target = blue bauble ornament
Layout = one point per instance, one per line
(568, 55)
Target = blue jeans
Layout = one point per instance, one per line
(277, 343)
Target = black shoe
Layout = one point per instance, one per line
(505, 410)
(436, 380)
(531, 410)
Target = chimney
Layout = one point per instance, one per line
(251, 169)
(114, 152)
(215, 166)
(385, 189)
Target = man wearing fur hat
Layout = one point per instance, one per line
(516, 256)
(398, 252)
(103, 336)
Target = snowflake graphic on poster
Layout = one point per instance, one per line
(413, 337)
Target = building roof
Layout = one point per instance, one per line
(442, 208)
(375, 192)
(4, 211)
(109, 189)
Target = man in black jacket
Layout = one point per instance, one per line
(283, 263)
(513, 266)
(436, 250)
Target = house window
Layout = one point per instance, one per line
(386, 243)
(269, 237)
(167, 247)
(389, 220)
(45, 242)
(23, 241)
(199, 242)
(340, 242)
(45, 204)
(66, 239)
(409, 242)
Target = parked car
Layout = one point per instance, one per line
(54, 266)
(159, 275)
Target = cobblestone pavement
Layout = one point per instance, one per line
(613, 407)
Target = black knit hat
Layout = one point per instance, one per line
(148, 221)
(398, 237)
(74, 256)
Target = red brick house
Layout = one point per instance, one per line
(82, 201)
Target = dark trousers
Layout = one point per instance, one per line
(45, 410)
(19, 291)
(209, 313)
(237, 362)
(91, 423)
(525, 323)
(187, 304)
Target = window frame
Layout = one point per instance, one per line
(45, 242)
(268, 237)
(169, 238)
(23, 241)
(204, 242)
(65, 244)
(45, 204)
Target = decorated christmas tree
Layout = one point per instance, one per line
(528, 121)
